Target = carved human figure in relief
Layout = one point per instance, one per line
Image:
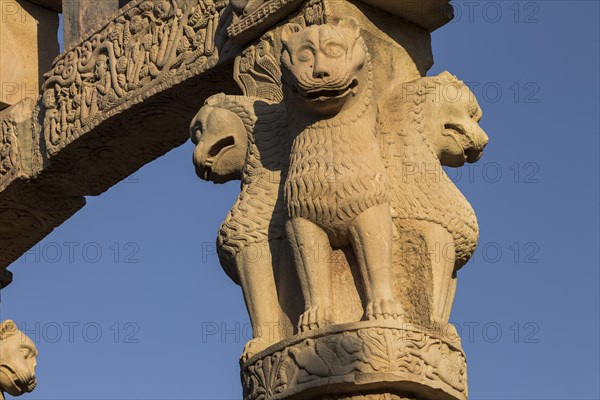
(425, 124)
(17, 361)
(52, 128)
(240, 138)
(337, 190)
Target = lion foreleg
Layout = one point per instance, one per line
(371, 238)
(255, 269)
(311, 248)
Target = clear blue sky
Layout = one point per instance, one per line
(141, 269)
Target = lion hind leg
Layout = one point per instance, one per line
(441, 253)
(450, 297)
(255, 270)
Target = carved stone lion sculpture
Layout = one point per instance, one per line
(17, 361)
(425, 124)
(241, 138)
(345, 170)
(337, 191)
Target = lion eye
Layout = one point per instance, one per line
(305, 55)
(334, 51)
(455, 128)
(26, 353)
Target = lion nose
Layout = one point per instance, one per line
(321, 74)
(321, 70)
(484, 139)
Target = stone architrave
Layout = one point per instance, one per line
(28, 45)
(339, 140)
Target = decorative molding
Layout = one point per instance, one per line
(348, 359)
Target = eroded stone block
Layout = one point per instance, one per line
(82, 16)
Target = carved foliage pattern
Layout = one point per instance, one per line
(419, 356)
(258, 70)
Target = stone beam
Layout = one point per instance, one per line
(119, 98)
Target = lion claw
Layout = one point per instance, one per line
(382, 309)
(316, 317)
(254, 346)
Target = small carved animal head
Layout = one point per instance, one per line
(17, 360)
(457, 136)
(221, 139)
(323, 64)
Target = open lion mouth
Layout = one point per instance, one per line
(331, 93)
(204, 173)
(22, 382)
(473, 155)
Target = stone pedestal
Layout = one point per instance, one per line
(363, 360)
(28, 44)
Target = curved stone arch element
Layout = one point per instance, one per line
(117, 100)
(148, 47)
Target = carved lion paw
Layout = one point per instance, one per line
(254, 346)
(383, 309)
(316, 317)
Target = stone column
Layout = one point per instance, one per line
(28, 44)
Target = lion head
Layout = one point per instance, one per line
(324, 64)
(449, 117)
(221, 139)
(460, 139)
(17, 360)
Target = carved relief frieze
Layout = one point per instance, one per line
(148, 44)
(352, 358)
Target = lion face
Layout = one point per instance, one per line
(221, 144)
(17, 360)
(457, 134)
(323, 64)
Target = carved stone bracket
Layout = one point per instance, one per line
(371, 357)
